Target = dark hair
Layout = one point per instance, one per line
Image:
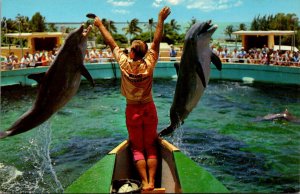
(139, 48)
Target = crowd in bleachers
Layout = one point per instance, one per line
(45, 58)
(98, 55)
(263, 55)
(38, 58)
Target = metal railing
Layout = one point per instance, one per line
(9, 66)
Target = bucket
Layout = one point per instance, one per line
(126, 186)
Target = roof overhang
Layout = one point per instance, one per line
(265, 33)
(35, 35)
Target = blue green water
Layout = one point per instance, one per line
(220, 135)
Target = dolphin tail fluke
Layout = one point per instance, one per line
(167, 131)
(87, 75)
(216, 61)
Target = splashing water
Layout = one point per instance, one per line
(8, 175)
(41, 177)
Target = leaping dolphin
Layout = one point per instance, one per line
(58, 85)
(193, 74)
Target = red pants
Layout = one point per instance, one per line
(141, 122)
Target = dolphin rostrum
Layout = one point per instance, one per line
(193, 73)
(58, 85)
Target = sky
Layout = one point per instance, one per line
(183, 11)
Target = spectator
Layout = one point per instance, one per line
(25, 61)
(50, 57)
(15, 63)
(44, 59)
(235, 55)
(296, 57)
(172, 53)
(94, 55)
(87, 56)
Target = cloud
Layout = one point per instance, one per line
(121, 3)
(203, 5)
(174, 2)
(158, 3)
(120, 11)
(212, 5)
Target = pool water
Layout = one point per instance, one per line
(221, 135)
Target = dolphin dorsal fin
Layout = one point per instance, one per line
(38, 77)
(216, 61)
(86, 74)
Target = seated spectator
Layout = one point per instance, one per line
(295, 58)
(258, 56)
(25, 61)
(16, 63)
(44, 59)
(87, 56)
(6, 64)
(235, 55)
(108, 55)
(50, 57)
(94, 55)
(242, 55)
(265, 49)
(250, 58)
(225, 55)
(11, 56)
(172, 53)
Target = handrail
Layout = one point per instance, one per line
(8, 66)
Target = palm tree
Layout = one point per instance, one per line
(171, 29)
(243, 27)
(24, 23)
(151, 26)
(109, 25)
(193, 21)
(38, 23)
(174, 25)
(52, 27)
(229, 30)
(132, 29)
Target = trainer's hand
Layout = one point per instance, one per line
(164, 13)
(97, 21)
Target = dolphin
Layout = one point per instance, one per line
(193, 73)
(285, 115)
(58, 84)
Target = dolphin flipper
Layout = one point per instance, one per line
(38, 77)
(216, 61)
(86, 74)
(200, 73)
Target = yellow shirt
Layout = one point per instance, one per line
(137, 76)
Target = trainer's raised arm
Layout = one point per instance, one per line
(163, 14)
(109, 40)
